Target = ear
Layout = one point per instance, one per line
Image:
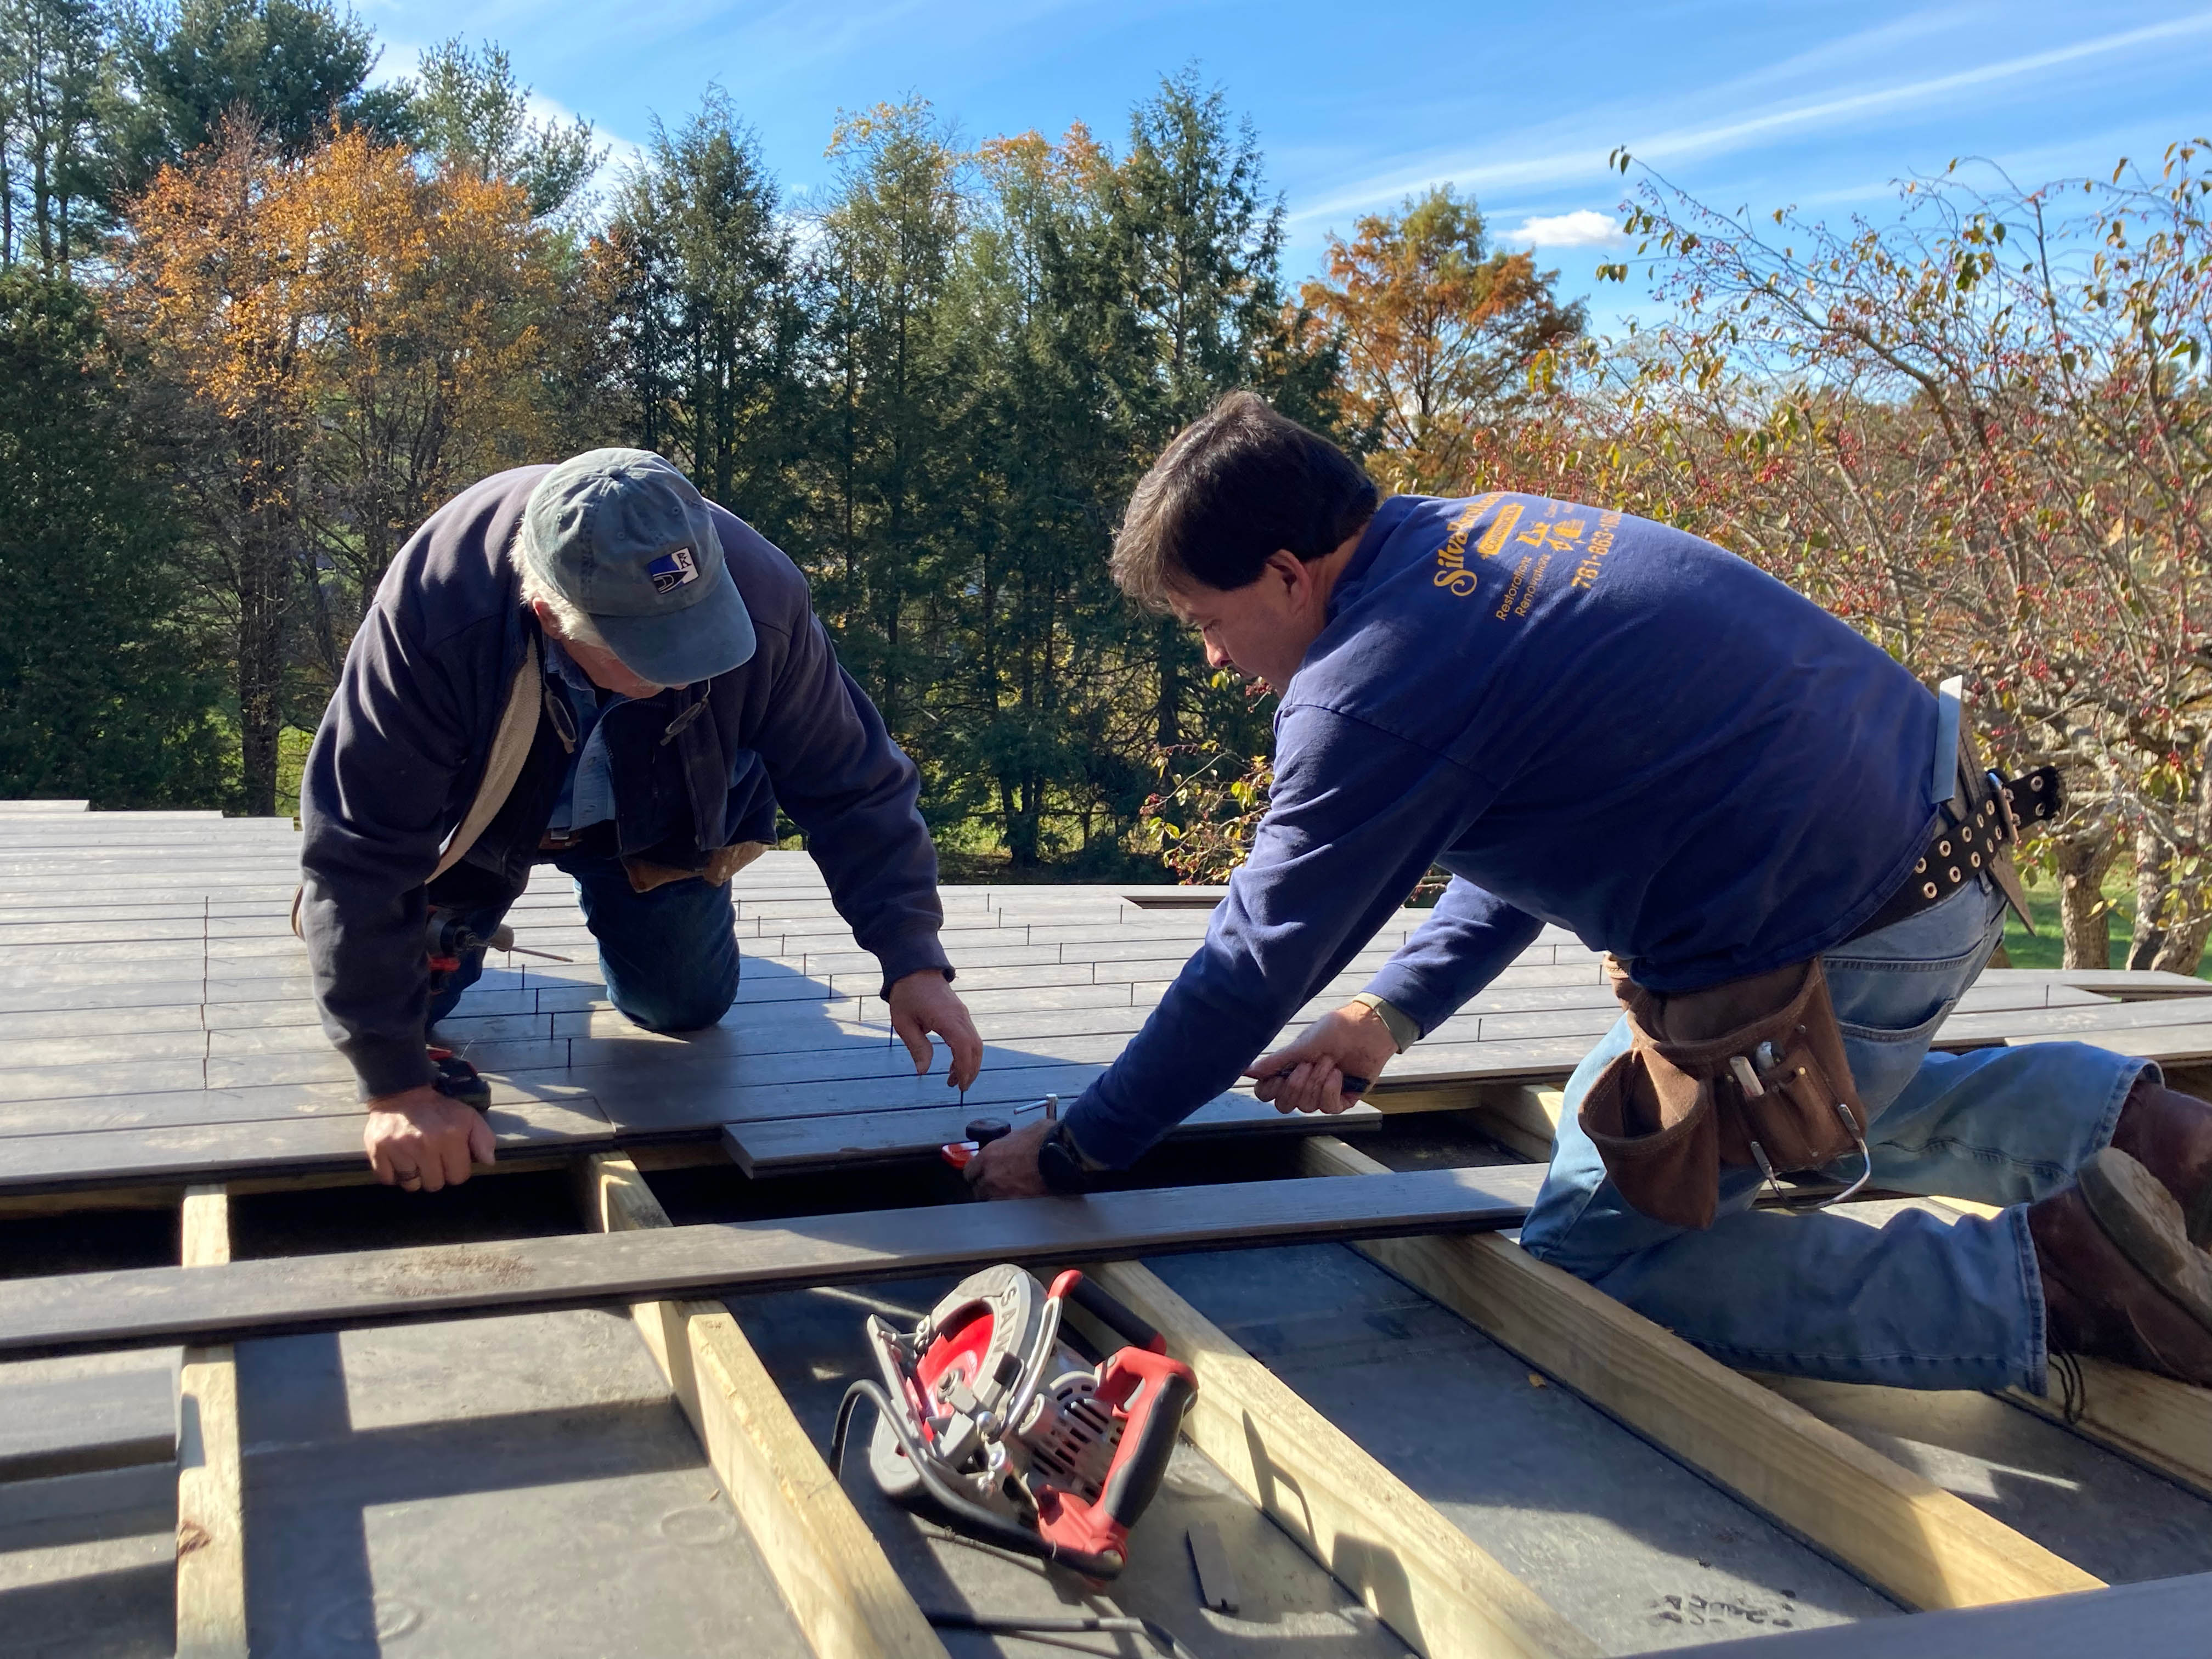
(1288, 568)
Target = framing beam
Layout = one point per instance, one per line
(834, 1575)
(2164, 1425)
(210, 1499)
(1906, 1535)
(1445, 1595)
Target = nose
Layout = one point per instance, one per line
(1215, 656)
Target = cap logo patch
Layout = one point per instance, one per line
(674, 569)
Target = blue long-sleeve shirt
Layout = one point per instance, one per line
(1588, 719)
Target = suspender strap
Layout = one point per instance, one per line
(510, 749)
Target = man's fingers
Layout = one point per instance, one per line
(966, 1050)
(910, 1032)
(453, 1154)
(379, 1158)
(484, 1146)
(1270, 1065)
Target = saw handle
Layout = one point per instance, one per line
(1163, 1388)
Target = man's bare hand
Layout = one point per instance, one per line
(1309, 1075)
(1007, 1168)
(922, 1003)
(423, 1140)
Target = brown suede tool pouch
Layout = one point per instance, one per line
(1751, 1074)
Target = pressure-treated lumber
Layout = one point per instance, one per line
(210, 1499)
(1904, 1533)
(834, 1575)
(2156, 1421)
(1444, 1594)
(148, 1307)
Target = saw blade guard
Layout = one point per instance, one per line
(985, 1415)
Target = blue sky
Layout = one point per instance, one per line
(1761, 104)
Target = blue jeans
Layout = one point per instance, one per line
(1914, 1302)
(670, 956)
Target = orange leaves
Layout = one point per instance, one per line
(363, 334)
(1439, 333)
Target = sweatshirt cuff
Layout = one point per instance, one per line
(1410, 1000)
(386, 1066)
(1102, 1138)
(910, 953)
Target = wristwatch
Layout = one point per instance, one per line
(1065, 1166)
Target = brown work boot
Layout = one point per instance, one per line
(2170, 1135)
(2120, 1278)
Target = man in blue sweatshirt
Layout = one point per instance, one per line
(1599, 722)
(591, 665)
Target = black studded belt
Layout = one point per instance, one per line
(1979, 825)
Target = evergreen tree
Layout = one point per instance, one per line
(893, 363)
(51, 82)
(98, 696)
(702, 258)
(468, 110)
(291, 67)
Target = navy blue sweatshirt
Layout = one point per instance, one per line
(404, 743)
(1588, 719)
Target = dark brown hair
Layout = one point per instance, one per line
(1236, 485)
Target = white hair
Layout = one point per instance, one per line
(572, 622)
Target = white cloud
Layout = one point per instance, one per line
(1576, 152)
(1584, 228)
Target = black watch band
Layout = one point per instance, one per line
(1061, 1163)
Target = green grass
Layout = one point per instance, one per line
(2044, 947)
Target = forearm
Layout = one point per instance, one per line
(1328, 866)
(1465, 943)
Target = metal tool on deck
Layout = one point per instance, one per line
(982, 1131)
(450, 937)
(987, 1419)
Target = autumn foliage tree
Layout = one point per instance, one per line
(340, 341)
(1439, 333)
(1978, 432)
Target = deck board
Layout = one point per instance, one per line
(157, 1014)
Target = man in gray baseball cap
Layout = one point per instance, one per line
(592, 665)
(622, 537)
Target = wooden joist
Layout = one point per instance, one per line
(834, 1575)
(1446, 1596)
(1904, 1533)
(152, 1306)
(2165, 1425)
(210, 1496)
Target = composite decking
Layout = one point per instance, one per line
(156, 1021)
(1474, 1454)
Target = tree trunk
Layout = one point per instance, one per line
(2183, 949)
(2084, 926)
(2153, 859)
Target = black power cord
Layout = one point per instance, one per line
(1023, 1624)
(973, 1515)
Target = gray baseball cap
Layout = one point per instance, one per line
(622, 535)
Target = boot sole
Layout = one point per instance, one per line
(2133, 1208)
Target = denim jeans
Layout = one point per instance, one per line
(1912, 1303)
(670, 956)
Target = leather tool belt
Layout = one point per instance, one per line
(1752, 1073)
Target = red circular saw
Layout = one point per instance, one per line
(985, 1417)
